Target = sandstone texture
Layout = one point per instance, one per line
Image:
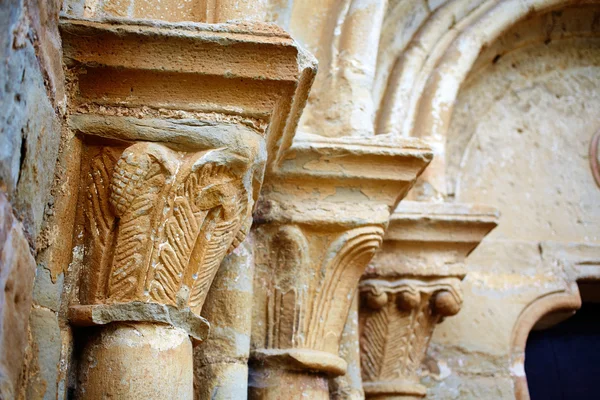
(17, 269)
(336, 199)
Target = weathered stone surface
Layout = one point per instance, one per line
(221, 361)
(503, 92)
(137, 361)
(17, 269)
(44, 376)
(29, 126)
(349, 386)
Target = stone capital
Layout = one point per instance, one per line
(410, 286)
(320, 219)
(177, 124)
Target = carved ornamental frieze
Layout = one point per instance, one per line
(411, 285)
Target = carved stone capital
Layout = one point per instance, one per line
(397, 320)
(308, 279)
(319, 221)
(178, 123)
(412, 284)
(158, 222)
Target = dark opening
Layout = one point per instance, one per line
(563, 362)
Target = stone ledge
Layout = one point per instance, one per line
(137, 311)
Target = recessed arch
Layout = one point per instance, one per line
(547, 305)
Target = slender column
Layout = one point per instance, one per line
(221, 361)
(411, 285)
(349, 385)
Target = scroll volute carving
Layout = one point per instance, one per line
(397, 320)
(160, 221)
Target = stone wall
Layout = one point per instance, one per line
(519, 139)
(32, 105)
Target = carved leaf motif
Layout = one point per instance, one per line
(347, 258)
(195, 235)
(218, 240)
(101, 222)
(384, 343)
(424, 323)
(181, 231)
(138, 180)
(287, 320)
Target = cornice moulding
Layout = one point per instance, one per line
(431, 239)
(249, 70)
(347, 181)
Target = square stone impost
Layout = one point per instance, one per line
(176, 125)
(321, 217)
(410, 286)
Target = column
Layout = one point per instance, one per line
(177, 127)
(319, 221)
(411, 285)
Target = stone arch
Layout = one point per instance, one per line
(418, 90)
(547, 305)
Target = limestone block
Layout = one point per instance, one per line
(17, 269)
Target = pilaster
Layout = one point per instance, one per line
(412, 284)
(320, 219)
(177, 124)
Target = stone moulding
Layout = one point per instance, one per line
(247, 70)
(319, 221)
(581, 263)
(431, 239)
(410, 286)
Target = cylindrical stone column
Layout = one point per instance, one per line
(349, 385)
(221, 361)
(276, 384)
(136, 361)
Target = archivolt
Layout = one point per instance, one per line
(417, 83)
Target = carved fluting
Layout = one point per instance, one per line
(309, 279)
(397, 320)
(160, 222)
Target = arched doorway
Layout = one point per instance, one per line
(563, 361)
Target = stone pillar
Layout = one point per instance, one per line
(174, 153)
(349, 386)
(137, 361)
(320, 220)
(221, 361)
(160, 222)
(410, 286)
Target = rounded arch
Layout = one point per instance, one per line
(422, 86)
(540, 308)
